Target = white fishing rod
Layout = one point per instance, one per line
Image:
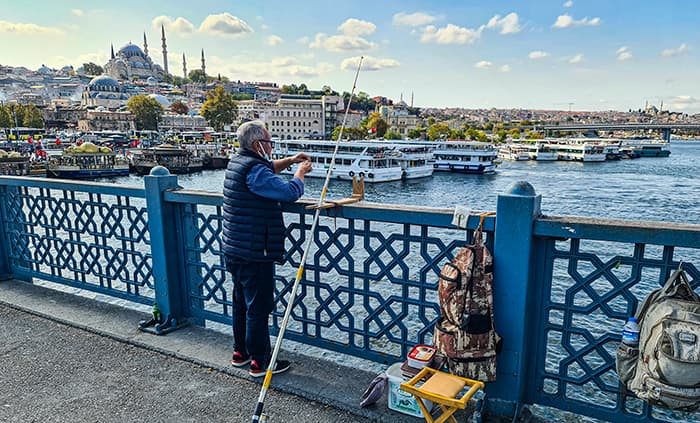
(302, 263)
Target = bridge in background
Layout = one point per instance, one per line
(664, 128)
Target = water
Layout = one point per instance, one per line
(655, 189)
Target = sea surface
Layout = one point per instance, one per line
(655, 189)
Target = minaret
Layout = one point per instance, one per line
(411, 98)
(145, 44)
(112, 46)
(204, 66)
(184, 67)
(165, 50)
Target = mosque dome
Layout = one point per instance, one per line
(44, 69)
(160, 99)
(131, 50)
(104, 83)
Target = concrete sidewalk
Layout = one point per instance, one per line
(65, 358)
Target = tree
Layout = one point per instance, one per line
(220, 108)
(179, 81)
(415, 134)
(17, 114)
(350, 133)
(179, 107)
(5, 118)
(376, 121)
(92, 69)
(438, 131)
(392, 135)
(197, 76)
(32, 117)
(146, 110)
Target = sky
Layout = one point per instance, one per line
(558, 55)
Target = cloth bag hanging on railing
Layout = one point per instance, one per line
(465, 334)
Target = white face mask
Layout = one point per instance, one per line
(263, 153)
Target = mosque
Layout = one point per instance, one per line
(130, 62)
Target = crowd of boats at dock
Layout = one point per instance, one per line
(373, 160)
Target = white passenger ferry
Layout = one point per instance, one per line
(376, 161)
(583, 150)
(541, 151)
(515, 152)
(464, 157)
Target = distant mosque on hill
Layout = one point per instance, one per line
(130, 62)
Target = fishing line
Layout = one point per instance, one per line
(302, 263)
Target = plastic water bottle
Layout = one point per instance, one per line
(630, 333)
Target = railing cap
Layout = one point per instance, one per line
(159, 171)
(521, 188)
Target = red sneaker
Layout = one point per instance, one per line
(257, 371)
(239, 359)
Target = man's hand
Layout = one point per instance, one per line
(301, 157)
(304, 168)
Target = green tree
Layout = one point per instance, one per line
(415, 134)
(392, 135)
(147, 112)
(17, 114)
(431, 121)
(179, 81)
(350, 133)
(179, 107)
(92, 69)
(197, 76)
(378, 123)
(5, 117)
(32, 117)
(242, 96)
(220, 108)
(438, 131)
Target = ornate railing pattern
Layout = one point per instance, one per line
(600, 271)
(84, 235)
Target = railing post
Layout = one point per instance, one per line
(171, 293)
(513, 251)
(5, 271)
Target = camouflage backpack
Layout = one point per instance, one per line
(665, 369)
(465, 333)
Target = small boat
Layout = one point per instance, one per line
(177, 160)
(87, 161)
(463, 156)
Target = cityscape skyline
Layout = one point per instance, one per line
(554, 55)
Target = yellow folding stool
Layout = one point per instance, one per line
(441, 388)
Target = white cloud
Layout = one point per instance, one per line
(509, 24)
(355, 27)
(264, 27)
(413, 19)
(504, 68)
(484, 64)
(274, 69)
(369, 63)
(576, 59)
(28, 29)
(535, 55)
(566, 21)
(77, 12)
(450, 34)
(670, 52)
(623, 53)
(274, 40)
(179, 25)
(683, 102)
(338, 43)
(225, 24)
(569, 4)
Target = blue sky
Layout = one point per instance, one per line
(587, 55)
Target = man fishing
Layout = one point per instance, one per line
(253, 239)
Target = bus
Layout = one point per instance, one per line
(24, 134)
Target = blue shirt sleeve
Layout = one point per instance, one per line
(262, 181)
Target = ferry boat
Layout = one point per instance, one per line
(415, 160)
(176, 160)
(515, 152)
(648, 147)
(213, 156)
(541, 151)
(17, 164)
(375, 161)
(579, 150)
(87, 161)
(464, 156)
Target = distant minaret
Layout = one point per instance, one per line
(411, 98)
(204, 66)
(184, 67)
(165, 50)
(661, 107)
(112, 46)
(145, 44)
(401, 97)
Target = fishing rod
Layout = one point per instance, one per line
(302, 263)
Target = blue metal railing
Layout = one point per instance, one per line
(563, 286)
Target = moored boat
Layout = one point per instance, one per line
(463, 156)
(87, 161)
(176, 160)
(16, 164)
(648, 147)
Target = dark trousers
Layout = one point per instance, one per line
(253, 300)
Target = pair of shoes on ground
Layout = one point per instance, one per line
(256, 370)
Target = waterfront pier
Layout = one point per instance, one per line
(564, 286)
